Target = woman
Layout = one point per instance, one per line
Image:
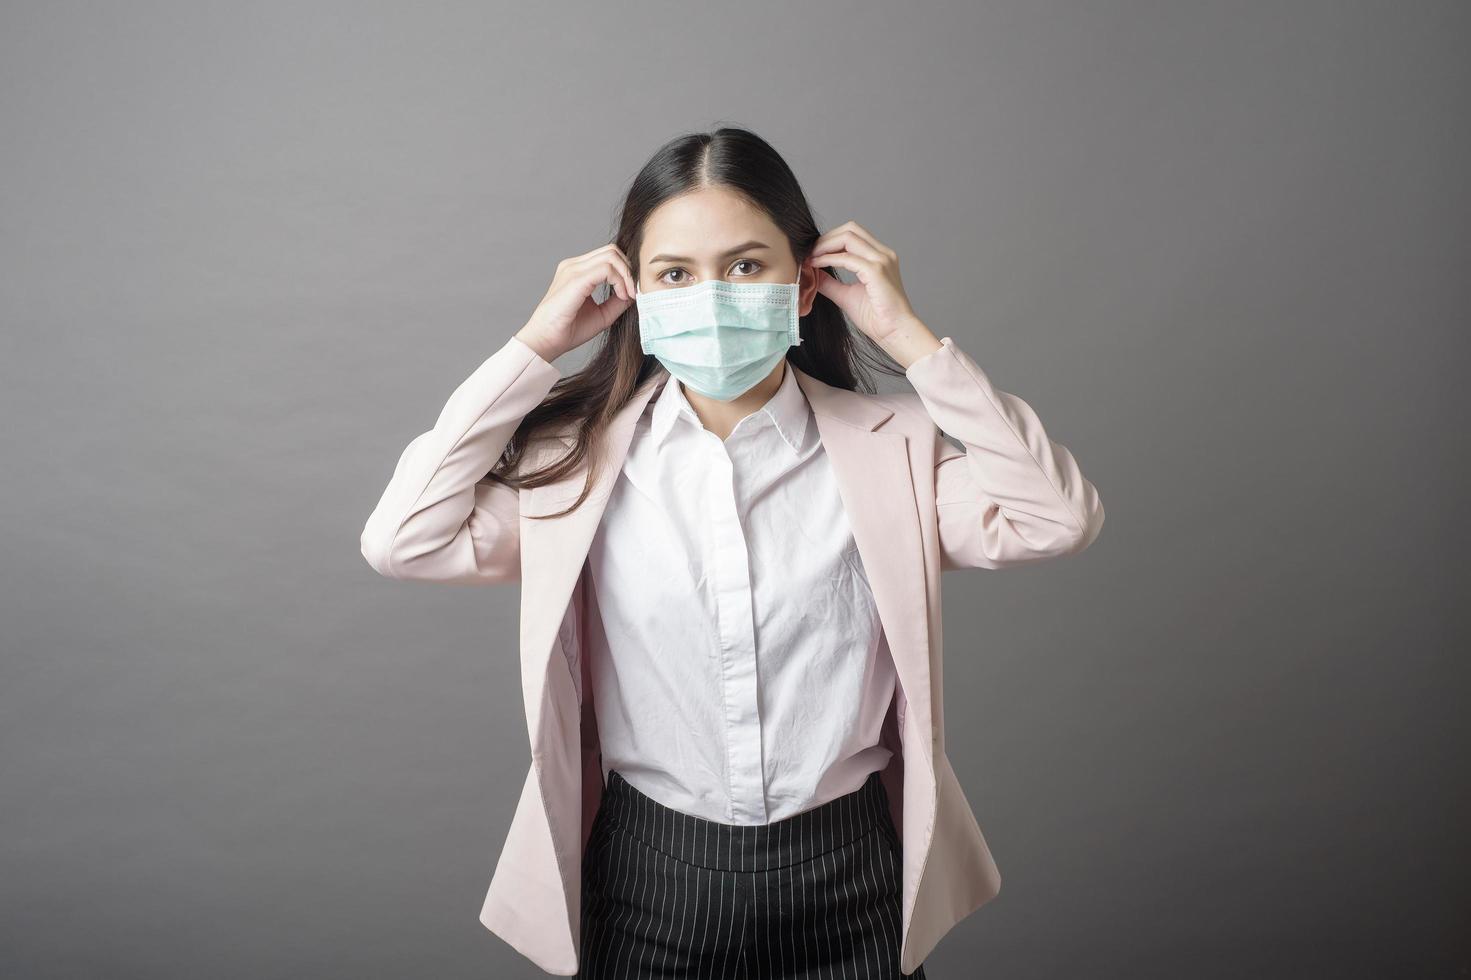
(742, 770)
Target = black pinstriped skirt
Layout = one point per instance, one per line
(668, 894)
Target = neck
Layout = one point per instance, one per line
(721, 417)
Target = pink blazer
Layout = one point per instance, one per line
(918, 506)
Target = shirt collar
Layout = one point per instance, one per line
(787, 410)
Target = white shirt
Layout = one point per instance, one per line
(740, 673)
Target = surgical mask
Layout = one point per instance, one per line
(720, 338)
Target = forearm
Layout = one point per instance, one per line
(1018, 492)
(424, 510)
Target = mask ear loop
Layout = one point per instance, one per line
(796, 316)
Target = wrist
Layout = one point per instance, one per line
(910, 341)
(538, 342)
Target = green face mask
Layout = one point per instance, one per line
(720, 337)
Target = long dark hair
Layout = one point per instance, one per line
(586, 401)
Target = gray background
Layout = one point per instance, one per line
(248, 251)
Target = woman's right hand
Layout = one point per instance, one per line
(567, 316)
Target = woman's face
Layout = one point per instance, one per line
(712, 233)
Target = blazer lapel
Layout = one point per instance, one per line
(874, 480)
(553, 551)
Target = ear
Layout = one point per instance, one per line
(807, 294)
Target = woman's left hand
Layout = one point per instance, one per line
(876, 303)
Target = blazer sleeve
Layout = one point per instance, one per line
(439, 519)
(1011, 495)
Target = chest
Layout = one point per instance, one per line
(751, 529)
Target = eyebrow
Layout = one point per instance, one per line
(750, 246)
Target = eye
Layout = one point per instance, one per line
(666, 272)
(749, 262)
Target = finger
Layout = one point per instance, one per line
(612, 309)
(870, 238)
(836, 231)
(591, 276)
(852, 243)
(865, 268)
(602, 263)
(599, 271)
(625, 269)
(846, 239)
(841, 231)
(853, 228)
(840, 292)
(618, 277)
(620, 261)
(828, 236)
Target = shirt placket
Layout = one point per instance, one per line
(736, 629)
